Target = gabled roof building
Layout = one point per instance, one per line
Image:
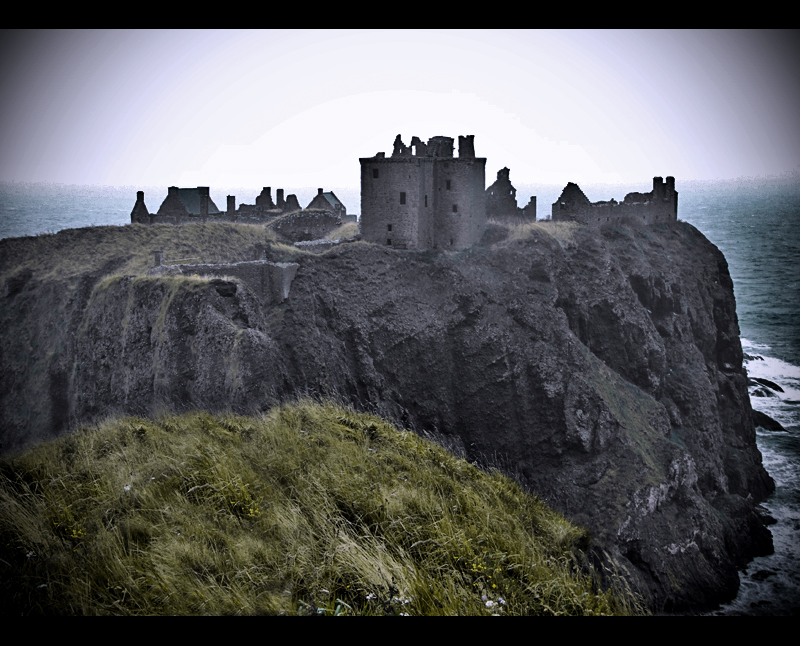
(327, 201)
(186, 202)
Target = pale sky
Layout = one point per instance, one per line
(298, 108)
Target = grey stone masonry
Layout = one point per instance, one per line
(659, 205)
(422, 197)
(272, 281)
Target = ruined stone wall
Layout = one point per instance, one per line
(270, 280)
(501, 197)
(659, 205)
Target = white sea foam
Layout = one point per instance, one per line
(786, 375)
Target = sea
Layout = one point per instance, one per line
(755, 222)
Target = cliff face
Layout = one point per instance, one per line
(604, 369)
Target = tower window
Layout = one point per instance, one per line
(389, 241)
(402, 198)
(426, 200)
(455, 208)
(447, 184)
(389, 227)
(374, 173)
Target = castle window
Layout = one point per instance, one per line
(447, 184)
(389, 227)
(402, 198)
(389, 241)
(374, 173)
(455, 208)
(426, 200)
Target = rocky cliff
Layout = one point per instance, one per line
(604, 369)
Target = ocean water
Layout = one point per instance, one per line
(756, 224)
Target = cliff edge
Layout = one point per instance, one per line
(603, 368)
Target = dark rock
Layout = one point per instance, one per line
(604, 369)
(763, 575)
(767, 383)
(766, 422)
(225, 288)
(17, 282)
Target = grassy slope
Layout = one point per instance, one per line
(309, 509)
(73, 252)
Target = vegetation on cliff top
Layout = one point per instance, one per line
(72, 253)
(309, 509)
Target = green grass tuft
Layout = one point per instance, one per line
(311, 508)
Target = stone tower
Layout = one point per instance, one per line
(422, 197)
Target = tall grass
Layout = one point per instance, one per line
(563, 232)
(347, 230)
(70, 254)
(310, 508)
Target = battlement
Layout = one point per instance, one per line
(659, 205)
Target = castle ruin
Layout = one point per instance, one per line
(422, 197)
(501, 201)
(659, 205)
(185, 205)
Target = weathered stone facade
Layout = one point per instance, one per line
(188, 202)
(422, 197)
(327, 201)
(186, 205)
(659, 205)
(272, 281)
(501, 201)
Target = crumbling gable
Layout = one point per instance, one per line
(140, 214)
(183, 205)
(501, 200)
(186, 202)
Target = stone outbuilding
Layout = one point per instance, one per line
(187, 202)
(327, 201)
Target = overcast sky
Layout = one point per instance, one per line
(298, 108)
